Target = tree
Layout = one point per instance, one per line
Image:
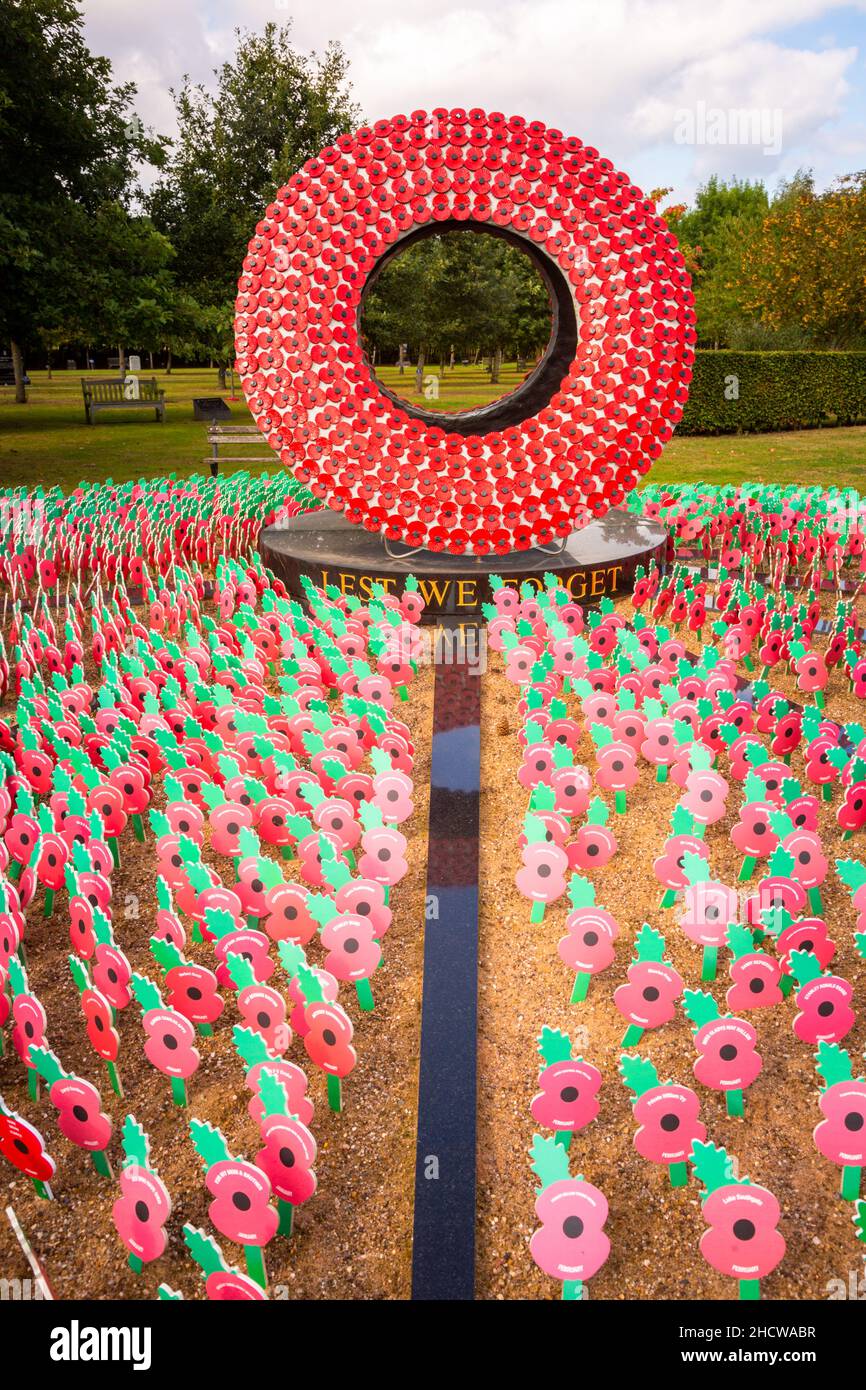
(69, 145)
(467, 291)
(273, 109)
(806, 268)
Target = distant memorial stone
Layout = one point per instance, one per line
(210, 408)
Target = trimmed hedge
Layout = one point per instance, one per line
(777, 391)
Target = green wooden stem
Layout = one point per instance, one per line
(178, 1090)
(205, 1030)
(115, 850)
(827, 791)
(563, 1138)
(49, 902)
(572, 1290)
(42, 1189)
(662, 772)
(632, 1036)
(750, 1289)
(747, 868)
(814, 896)
(679, 1174)
(669, 897)
(581, 985)
(138, 826)
(734, 1103)
(710, 962)
(287, 851)
(335, 1093)
(255, 1257)
(99, 1159)
(287, 1217)
(786, 984)
(851, 1183)
(619, 802)
(33, 1083)
(114, 1078)
(537, 913)
(365, 995)
(135, 1263)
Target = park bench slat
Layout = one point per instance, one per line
(220, 435)
(106, 393)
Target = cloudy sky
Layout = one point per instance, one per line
(651, 83)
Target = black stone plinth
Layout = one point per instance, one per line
(597, 561)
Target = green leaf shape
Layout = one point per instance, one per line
(581, 892)
(166, 954)
(780, 863)
(47, 1063)
(852, 873)
(701, 1008)
(543, 798)
(135, 1143)
(638, 1073)
(240, 969)
(554, 1045)
(204, 1250)
(250, 1046)
(682, 821)
(209, 1142)
(833, 1063)
(712, 1166)
(146, 993)
(805, 966)
(549, 1161)
(858, 1216)
(598, 812)
(650, 944)
(741, 941)
(696, 868)
(272, 1093)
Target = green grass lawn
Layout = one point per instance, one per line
(48, 442)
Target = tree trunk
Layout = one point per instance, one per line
(18, 369)
(419, 372)
(222, 378)
(168, 362)
(121, 359)
(150, 360)
(452, 357)
(495, 364)
(49, 364)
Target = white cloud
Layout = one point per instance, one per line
(614, 72)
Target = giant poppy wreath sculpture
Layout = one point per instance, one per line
(607, 396)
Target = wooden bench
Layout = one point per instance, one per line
(247, 436)
(106, 393)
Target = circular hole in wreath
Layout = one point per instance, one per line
(459, 282)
